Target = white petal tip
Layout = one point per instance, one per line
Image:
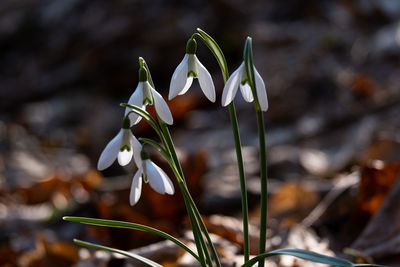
(224, 104)
(101, 167)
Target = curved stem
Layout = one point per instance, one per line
(248, 59)
(219, 56)
(166, 139)
(155, 145)
(243, 188)
(185, 190)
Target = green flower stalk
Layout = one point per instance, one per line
(124, 146)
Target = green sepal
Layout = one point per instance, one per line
(249, 67)
(125, 147)
(144, 155)
(191, 46)
(192, 74)
(142, 74)
(142, 63)
(126, 123)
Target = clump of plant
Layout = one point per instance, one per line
(125, 146)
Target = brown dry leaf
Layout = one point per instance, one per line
(42, 191)
(377, 179)
(383, 149)
(91, 180)
(171, 206)
(49, 254)
(381, 237)
(8, 256)
(362, 84)
(45, 190)
(179, 106)
(291, 203)
(231, 229)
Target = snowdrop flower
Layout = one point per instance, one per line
(145, 95)
(121, 147)
(150, 173)
(187, 70)
(239, 79)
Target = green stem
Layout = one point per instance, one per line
(155, 145)
(166, 139)
(196, 235)
(220, 57)
(248, 59)
(264, 184)
(185, 191)
(203, 226)
(243, 189)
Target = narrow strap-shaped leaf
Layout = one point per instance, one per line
(301, 254)
(122, 252)
(127, 225)
(367, 265)
(216, 50)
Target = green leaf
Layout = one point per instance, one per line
(127, 225)
(367, 265)
(122, 252)
(302, 254)
(216, 50)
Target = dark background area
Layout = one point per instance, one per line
(333, 83)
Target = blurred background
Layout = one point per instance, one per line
(333, 127)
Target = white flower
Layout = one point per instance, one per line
(121, 147)
(152, 174)
(239, 79)
(145, 94)
(190, 68)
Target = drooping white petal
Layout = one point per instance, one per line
(162, 108)
(136, 147)
(158, 179)
(205, 80)
(124, 157)
(189, 82)
(136, 99)
(231, 86)
(125, 153)
(247, 94)
(261, 91)
(179, 78)
(136, 188)
(110, 152)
